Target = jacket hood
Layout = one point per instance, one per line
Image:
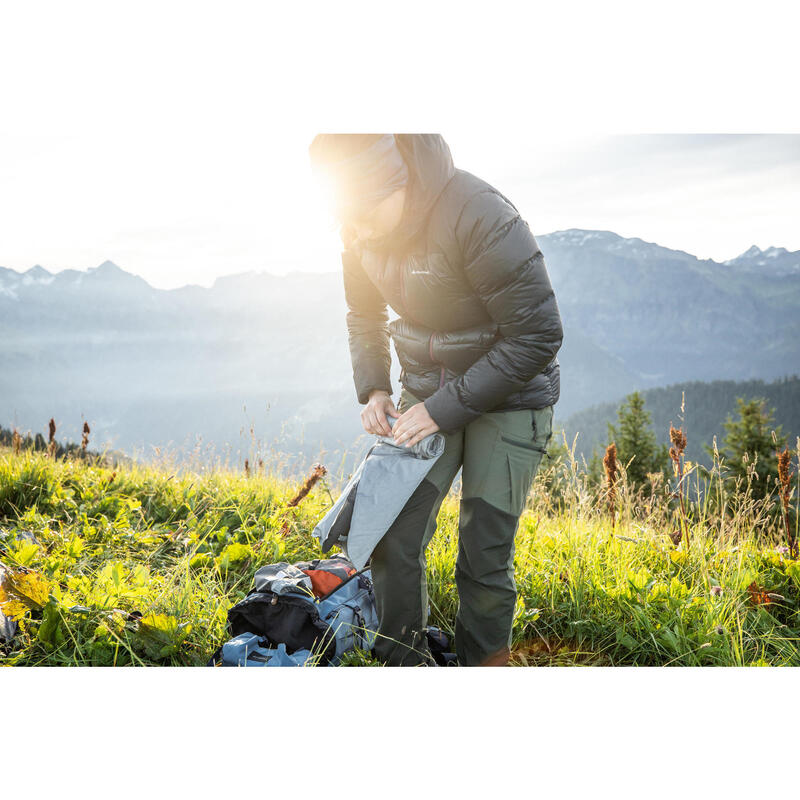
(430, 168)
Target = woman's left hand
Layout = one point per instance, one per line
(413, 425)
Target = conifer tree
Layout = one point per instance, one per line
(636, 440)
(749, 445)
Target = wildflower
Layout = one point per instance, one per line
(85, 438)
(758, 595)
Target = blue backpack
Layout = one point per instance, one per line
(307, 613)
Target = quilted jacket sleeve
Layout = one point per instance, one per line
(367, 319)
(506, 269)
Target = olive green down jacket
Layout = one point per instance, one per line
(479, 326)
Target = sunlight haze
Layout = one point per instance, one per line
(179, 150)
(180, 211)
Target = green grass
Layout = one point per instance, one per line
(142, 564)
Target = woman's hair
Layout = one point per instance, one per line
(362, 168)
(330, 148)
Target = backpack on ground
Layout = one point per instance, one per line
(309, 612)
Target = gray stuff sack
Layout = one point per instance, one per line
(375, 495)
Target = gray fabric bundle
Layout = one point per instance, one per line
(281, 578)
(376, 494)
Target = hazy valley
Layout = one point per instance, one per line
(260, 361)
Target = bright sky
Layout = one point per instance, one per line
(175, 144)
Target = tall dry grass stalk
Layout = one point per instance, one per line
(16, 442)
(611, 467)
(785, 477)
(678, 439)
(317, 471)
(51, 439)
(85, 437)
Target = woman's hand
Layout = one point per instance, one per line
(413, 426)
(373, 417)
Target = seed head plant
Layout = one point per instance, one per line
(678, 439)
(784, 478)
(610, 464)
(317, 471)
(51, 439)
(85, 437)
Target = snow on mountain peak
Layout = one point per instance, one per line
(578, 236)
(37, 275)
(107, 268)
(779, 260)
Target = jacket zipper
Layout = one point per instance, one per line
(441, 366)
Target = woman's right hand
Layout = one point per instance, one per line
(373, 417)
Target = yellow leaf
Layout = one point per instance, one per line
(21, 591)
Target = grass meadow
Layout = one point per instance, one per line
(138, 565)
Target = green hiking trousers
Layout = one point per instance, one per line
(499, 454)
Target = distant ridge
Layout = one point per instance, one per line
(773, 257)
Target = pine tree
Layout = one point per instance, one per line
(636, 440)
(749, 444)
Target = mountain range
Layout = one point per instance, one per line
(258, 364)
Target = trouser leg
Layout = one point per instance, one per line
(398, 561)
(502, 452)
